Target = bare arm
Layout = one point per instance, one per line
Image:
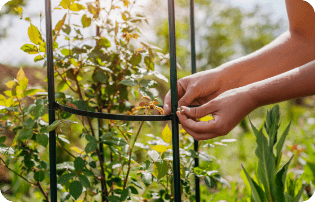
(292, 49)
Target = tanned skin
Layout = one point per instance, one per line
(282, 70)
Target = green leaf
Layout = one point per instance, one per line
(2, 139)
(210, 182)
(86, 21)
(38, 58)
(90, 138)
(29, 48)
(75, 189)
(257, 192)
(133, 190)
(280, 143)
(88, 172)
(65, 178)
(85, 181)
(146, 178)
(91, 146)
(42, 139)
(34, 35)
(135, 59)
(63, 85)
(280, 181)
(79, 164)
(148, 83)
(129, 82)
(39, 176)
(145, 92)
(125, 194)
(25, 134)
(6, 150)
(101, 76)
(149, 63)
(65, 52)
(162, 169)
(66, 29)
(76, 7)
(28, 109)
(104, 42)
(155, 156)
(113, 198)
(299, 194)
(60, 24)
(65, 165)
(53, 126)
(107, 135)
(29, 123)
(39, 111)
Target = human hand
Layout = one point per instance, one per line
(227, 110)
(196, 89)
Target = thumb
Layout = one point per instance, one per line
(187, 98)
(197, 112)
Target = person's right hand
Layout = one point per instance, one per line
(196, 89)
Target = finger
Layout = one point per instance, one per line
(167, 103)
(198, 112)
(168, 98)
(187, 98)
(196, 135)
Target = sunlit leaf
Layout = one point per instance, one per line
(29, 48)
(34, 35)
(160, 148)
(76, 7)
(167, 134)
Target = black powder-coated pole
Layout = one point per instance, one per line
(51, 101)
(174, 101)
(193, 71)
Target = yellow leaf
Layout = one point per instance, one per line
(2, 100)
(42, 47)
(126, 3)
(20, 75)
(10, 84)
(65, 3)
(155, 170)
(182, 171)
(8, 93)
(76, 7)
(76, 149)
(167, 134)
(160, 148)
(170, 147)
(19, 92)
(34, 35)
(206, 118)
(23, 83)
(182, 131)
(46, 118)
(9, 102)
(19, 10)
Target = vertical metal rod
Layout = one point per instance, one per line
(100, 125)
(174, 100)
(193, 71)
(51, 101)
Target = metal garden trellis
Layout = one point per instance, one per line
(53, 105)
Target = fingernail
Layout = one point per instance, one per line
(180, 110)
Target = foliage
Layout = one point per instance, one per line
(113, 163)
(272, 183)
(223, 32)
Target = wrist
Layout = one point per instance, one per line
(228, 78)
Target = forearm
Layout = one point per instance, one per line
(286, 52)
(298, 82)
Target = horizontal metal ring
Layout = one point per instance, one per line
(113, 116)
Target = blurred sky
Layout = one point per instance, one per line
(11, 54)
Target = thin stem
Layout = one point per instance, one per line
(129, 167)
(43, 192)
(65, 81)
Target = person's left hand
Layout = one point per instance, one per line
(227, 110)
